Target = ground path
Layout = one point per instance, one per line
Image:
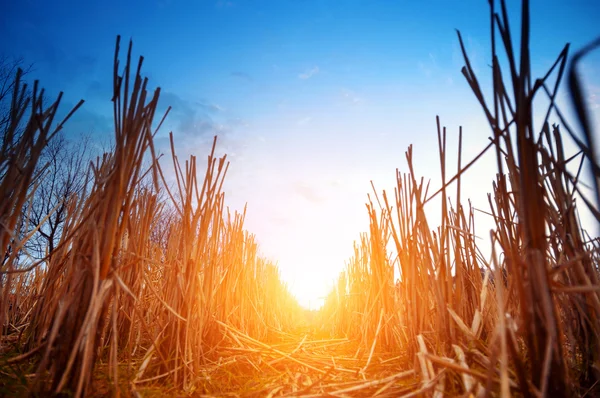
(303, 364)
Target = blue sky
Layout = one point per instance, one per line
(310, 99)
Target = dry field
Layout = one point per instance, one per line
(152, 288)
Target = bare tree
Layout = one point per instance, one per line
(13, 101)
(59, 173)
(63, 166)
(24, 136)
(8, 71)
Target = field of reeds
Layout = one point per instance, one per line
(152, 287)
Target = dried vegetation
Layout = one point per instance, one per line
(152, 290)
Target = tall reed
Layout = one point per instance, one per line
(143, 278)
(532, 324)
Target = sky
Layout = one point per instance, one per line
(311, 100)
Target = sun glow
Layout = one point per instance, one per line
(310, 290)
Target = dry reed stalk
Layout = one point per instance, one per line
(172, 285)
(83, 278)
(25, 136)
(546, 281)
(543, 188)
(140, 271)
(210, 273)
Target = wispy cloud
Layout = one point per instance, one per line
(242, 75)
(350, 96)
(304, 121)
(309, 73)
(89, 121)
(280, 220)
(594, 98)
(588, 73)
(65, 65)
(429, 66)
(193, 117)
(308, 193)
(475, 51)
(282, 104)
(336, 183)
(211, 107)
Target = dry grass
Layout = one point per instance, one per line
(130, 281)
(535, 330)
(155, 291)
